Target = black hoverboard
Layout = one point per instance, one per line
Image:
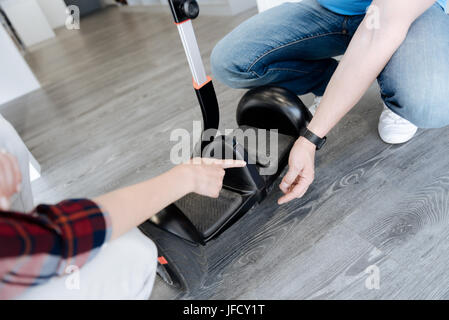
(183, 232)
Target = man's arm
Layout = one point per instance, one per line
(372, 46)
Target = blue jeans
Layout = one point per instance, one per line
(293, 46)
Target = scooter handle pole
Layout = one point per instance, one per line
(183, 12)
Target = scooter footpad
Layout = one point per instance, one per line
(209, 214)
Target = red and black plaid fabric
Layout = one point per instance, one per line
(38, 246)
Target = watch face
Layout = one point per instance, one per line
(322, 143)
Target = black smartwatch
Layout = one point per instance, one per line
(317, 141)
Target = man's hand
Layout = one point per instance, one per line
(10, 179)
(301, 171)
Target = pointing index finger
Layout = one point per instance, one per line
(229, 163)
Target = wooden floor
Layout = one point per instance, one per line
(113, 91)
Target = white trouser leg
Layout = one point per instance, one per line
(123, 269)
(12, 143)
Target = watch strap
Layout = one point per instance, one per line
(317, 141)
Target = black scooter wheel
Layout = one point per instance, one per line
(182, 264)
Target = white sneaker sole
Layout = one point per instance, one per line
(396, 139)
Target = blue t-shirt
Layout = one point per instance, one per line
(354, 7)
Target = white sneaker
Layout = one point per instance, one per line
(315, 104)
(394, 129)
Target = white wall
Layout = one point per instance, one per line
(143, 2)
(28, 19)
(16, 78)
(214, 7)
(263, 5)
(55, 11)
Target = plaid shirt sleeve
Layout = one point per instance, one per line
(48, 242)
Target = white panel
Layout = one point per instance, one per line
(28, 20)
(16, 78)
(263, 5)
(55, 11)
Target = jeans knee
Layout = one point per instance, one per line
(146, 247)
(226, 68)
(424, 108)
(153, 251)
(221, 65)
